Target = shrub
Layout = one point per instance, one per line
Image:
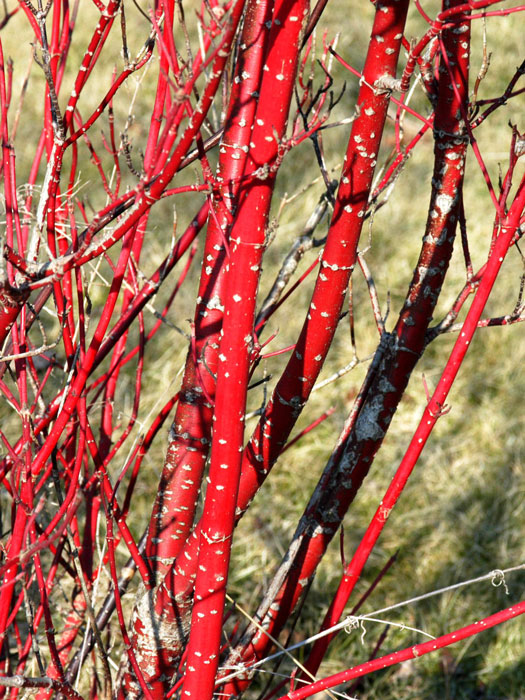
(143, 134)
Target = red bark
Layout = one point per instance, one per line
(180, 483)
(412, 652)
(388, 375)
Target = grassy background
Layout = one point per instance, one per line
(462, 512)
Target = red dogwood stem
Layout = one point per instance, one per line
(388, 374)
(428, 420)
(189, 445)
(11, 301)
(247, 243)
(145, 203)
(411, 652)
(298, 379)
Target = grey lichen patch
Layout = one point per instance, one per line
(427, 272)
(296, 403)
(367, 425)
(191, 396)
(158, 632)
(386, 84)
(386, 387)
(440, 239)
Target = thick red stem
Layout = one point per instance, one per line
(189, 444)
(394, 361)
(428, 420)
(247, 243)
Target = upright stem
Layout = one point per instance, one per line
(247, 242)
(189, 445)
(337, 263)
(367, 426)
(426, 424)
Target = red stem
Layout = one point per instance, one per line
(247, 242)
(177, 495)
(427, 422)
(412, 652)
